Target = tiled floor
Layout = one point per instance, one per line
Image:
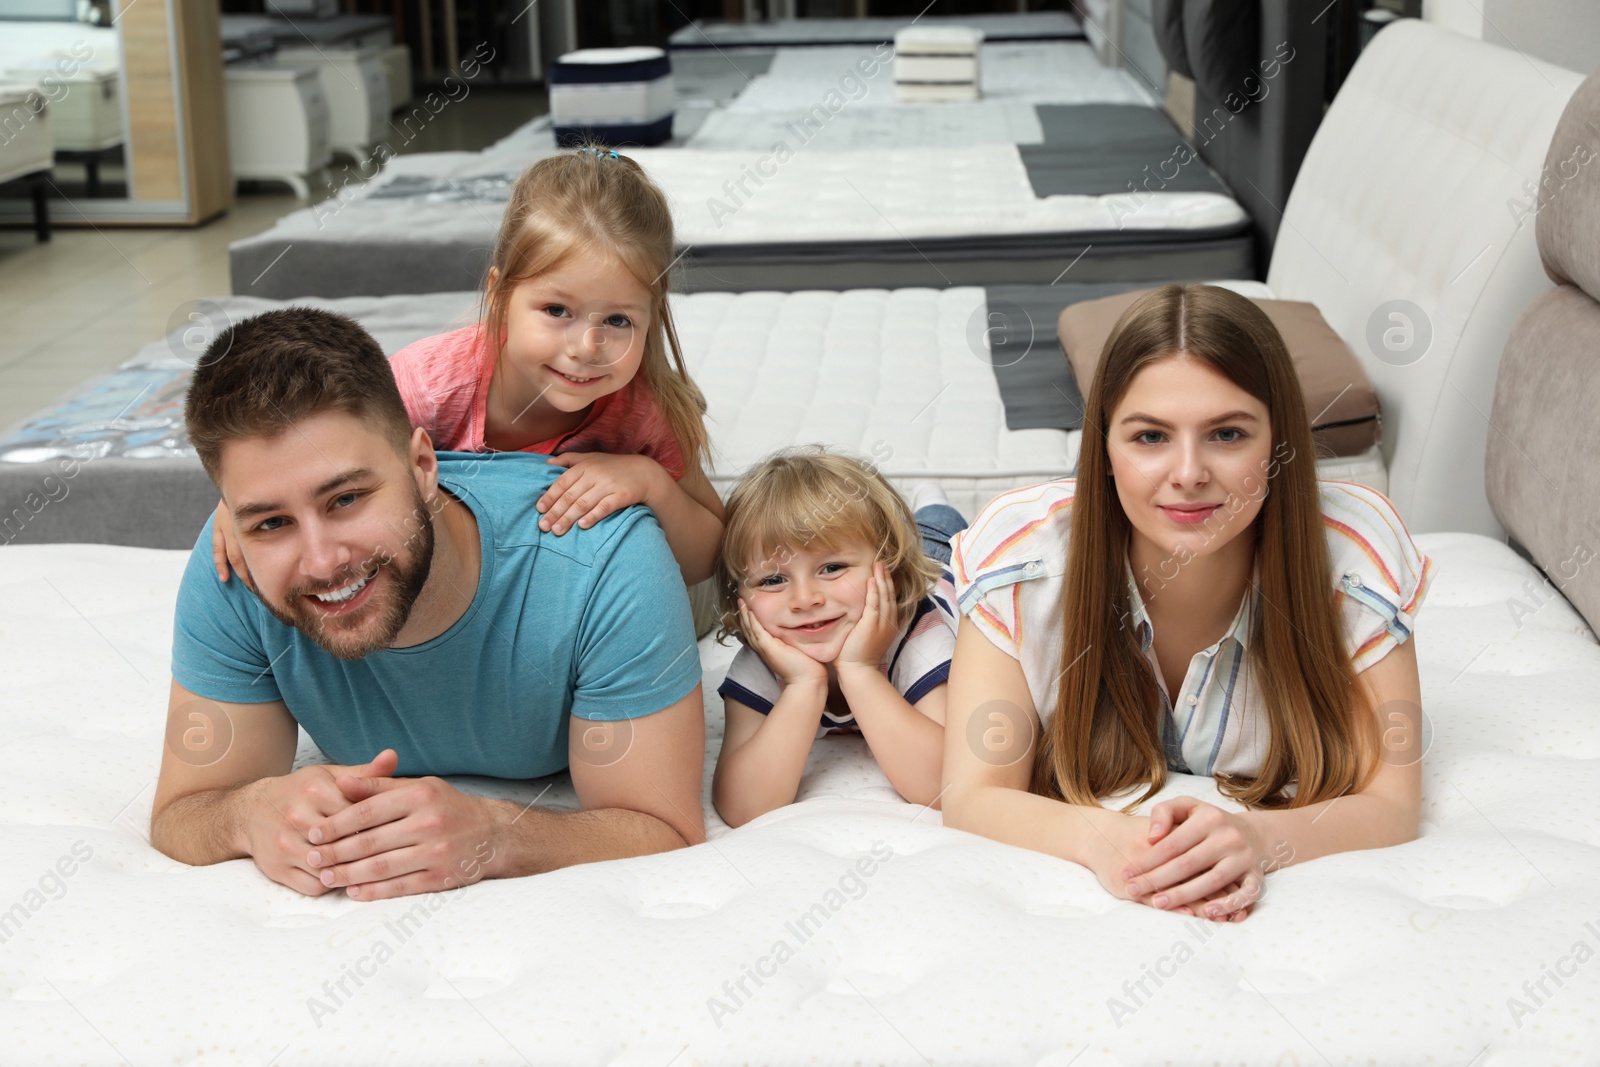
(89, 298)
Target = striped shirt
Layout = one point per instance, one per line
(1010, 578)
(916, 662)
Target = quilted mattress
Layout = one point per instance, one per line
(849, 927)
(903, 377)
(807, 219)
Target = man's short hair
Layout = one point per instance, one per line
(261, 376)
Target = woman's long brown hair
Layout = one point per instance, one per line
(1105, 737)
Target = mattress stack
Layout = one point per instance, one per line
(612, 96)
(936, 64)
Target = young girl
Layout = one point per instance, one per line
(1195, 602)
(847, 626)
(576, 357)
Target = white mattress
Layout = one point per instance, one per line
(901, 377)
(856, 126)
(895, 194)
(955, 950)
(1034, 72)
(620, 102)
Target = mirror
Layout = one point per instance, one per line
(64, 123)
(111, 112)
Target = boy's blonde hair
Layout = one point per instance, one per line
(808, 497)
(595, 200)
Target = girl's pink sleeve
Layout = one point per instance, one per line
(437, 377)
(414, 393)
(659, 442)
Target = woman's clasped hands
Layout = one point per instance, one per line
(1189, 857)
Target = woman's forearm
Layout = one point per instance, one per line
(988, 784)
(1068, 831)
(1343, 824)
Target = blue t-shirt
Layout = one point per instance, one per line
(594, 623)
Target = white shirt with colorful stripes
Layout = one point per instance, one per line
(1010, 576)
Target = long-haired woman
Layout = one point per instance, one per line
(1195, 602)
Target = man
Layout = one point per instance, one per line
(408, 612)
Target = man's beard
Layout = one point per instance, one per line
(400, 577)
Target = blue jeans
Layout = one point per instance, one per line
(938, 524)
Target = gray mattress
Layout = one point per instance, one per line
(989, 215)
(1093, 149)
(796, 33)
(110, 462)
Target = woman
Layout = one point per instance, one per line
(1218, 612)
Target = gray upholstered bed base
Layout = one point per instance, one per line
(146, 503)
(1091, 257)
(356, 268)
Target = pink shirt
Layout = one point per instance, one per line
(444, 382)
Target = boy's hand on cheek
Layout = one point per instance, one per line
(790, 664)
(872, 634)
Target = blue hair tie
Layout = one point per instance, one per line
(599, 154)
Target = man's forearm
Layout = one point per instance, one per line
(534, 840)
(203, 828)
